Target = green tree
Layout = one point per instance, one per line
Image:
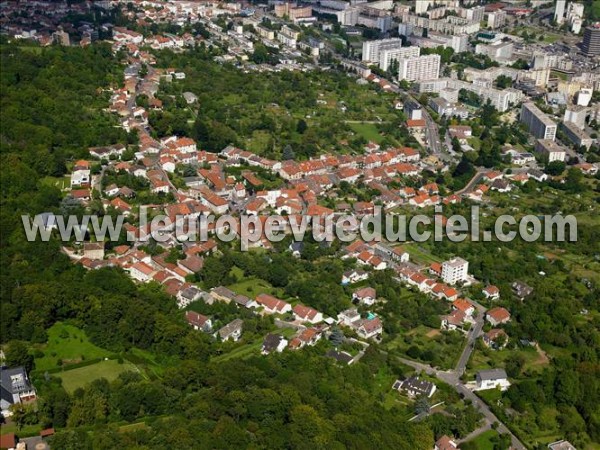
(16, 354)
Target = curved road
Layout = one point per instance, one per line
(452, 377)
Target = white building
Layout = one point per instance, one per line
(496, 19)
(419, 68)
(372, 49)
(455, 270)
(388, 55)
(559, 11)
(492, 379)
(551, 150)
(538, 123)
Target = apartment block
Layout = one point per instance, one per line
(419, 68)
(455, 270)
(550, 150)
(387, 56)
(575, 135)
(538, 123)
(372, 49)
(496, 19)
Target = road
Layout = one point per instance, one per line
(472, 336)
(473, 182)
(452, 377)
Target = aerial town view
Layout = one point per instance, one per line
(311, 224)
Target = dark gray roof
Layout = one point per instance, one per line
(8, 387)
(271, 342)
(491, 374)
(418, 385)
(341, 357)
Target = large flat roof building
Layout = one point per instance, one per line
(419, 68)
(538, 123)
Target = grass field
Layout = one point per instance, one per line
(25, 431)
(367, 130)
(489, 359)
(68, 344)
(484, 440)
(110, 369)
(447, 348)
(251, 287)
(59, 182)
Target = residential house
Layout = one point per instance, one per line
(341, 357)
(306, 314)
(454, 321)
(370, 328)
(309, 336)
(141, 272)
(415, 387)
(233, 330)
(561, 445)
(365, 296)
(497, 316)
(93, 250)
(445, 443)
(273, 343)
(492, 379)
(491, 292)
(15, 388)
(521, 289)
(348, 317)
(354, 276)
(198, 321)
(495, 339)
(187, 296)
(222, 294)
(273, 305)
(463, 305)
(244, 301)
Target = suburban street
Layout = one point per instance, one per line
(452, 377)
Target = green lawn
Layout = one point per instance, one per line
(489, 359)
(367, 130)
(251, 287)
(59, 182)
(420, 254)
(68, 344)
(25, 431)
(484, 440)
(446, 347)
(243, 351)
(110, 369)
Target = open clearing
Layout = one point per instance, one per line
(110, 369)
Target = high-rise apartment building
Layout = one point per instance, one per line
(538, 123)
(372, 49)
(591, 40)
(387, 56)
(559, 11)
(419, 68)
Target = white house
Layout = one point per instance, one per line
(492, 379)
(80, 177)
